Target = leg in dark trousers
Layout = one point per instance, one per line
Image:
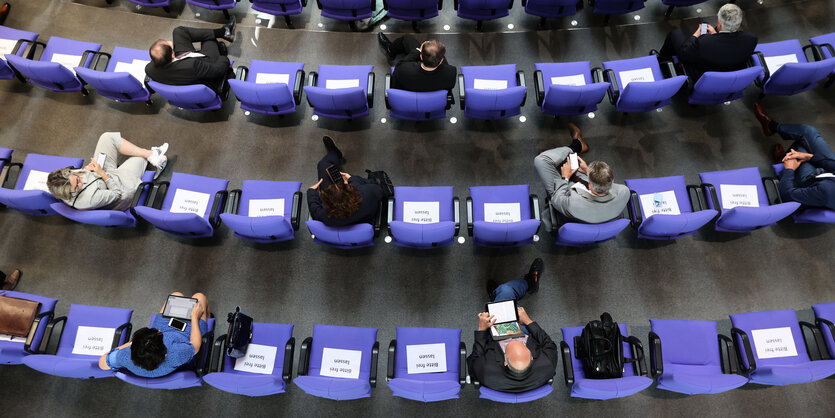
(185, 37)
(405, 48)
(331, 158)
(671, 45)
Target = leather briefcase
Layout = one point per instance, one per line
(16, 315)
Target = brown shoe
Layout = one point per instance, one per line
(778, 153)
(577, 134)
(11, 280)
(764, 119)
(4, 11)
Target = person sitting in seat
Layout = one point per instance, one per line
(419, 67)
(108, 186)
(159, 350)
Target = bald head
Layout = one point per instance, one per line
(162, 53)
(517, 357)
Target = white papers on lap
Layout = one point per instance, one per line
(426, 358)
(266, 78)
(12, 338)
(93, 341)
(774, 63)
(36, 181)
(266, 207)
(663, 203)
(7, 46)
(69, 61)
(421, 212)
(569, 80)
(340, 363)
(641, 74)
(258, 359)
(773, 342)
(136, 68)
(502, 212)
(734, 195)
(481, 84)
(341, 84)
(187, 201)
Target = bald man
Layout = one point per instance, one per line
(516, 364)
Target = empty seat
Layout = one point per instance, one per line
(222, 5)
(568, 88)
(55, 68)
(481, 10)
(269, 88)
(491, 91)
(264, 211)
(824, 318)
(413, 10)
(190, 206)
(715, 87)
(615, 7)
(502, 216)
(666, 207)
(341, 91)
(105, 217)
(123, 79)
(423, 217)
(410, 377)
(30, 194)
(347, 10)
(638, 85)
(284, 8)
(805, 214)
(823, 49)
(13, 350)
(551, 8)
(786, 70)
(15, 42)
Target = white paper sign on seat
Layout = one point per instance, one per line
(7, 46)
(93, 341)
(502, 212)
(482, 84)
(662, 203)
(641, 74)
(266, 207)
(341, 84)
(36, 181)
(734, 195)
(773, 342)
(187, 201)
(426, 358)
(266, 78)
(569, 80)
(774, 63)
(258, 359)
(421, 212)
(344, 364)
(68, 61)
(136, 68)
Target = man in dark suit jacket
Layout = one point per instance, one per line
(418, 67)
(521, 364)
(178, 63)
(724, 48)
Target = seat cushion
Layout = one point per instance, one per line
(609, 388)
(80, 368)
(694, 384)
(505, 397)
(334, 388)
(177, 380)
(793, 373)
(422, 390)
(246, 384)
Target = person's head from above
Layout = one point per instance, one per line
(600, 178)
(432, 53)
(162, 52)
(729, 18)
(340, 200)
(147, 349)
(517, 357)
(62, 183)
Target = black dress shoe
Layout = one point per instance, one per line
(491, 287)
(330, 145)
(229, 31)
(534, 274)
(385, 44)
(4, 11)
(222, 50)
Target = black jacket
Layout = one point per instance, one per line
(204, 70)
(371, 194)
(723, 51)
(410, 76)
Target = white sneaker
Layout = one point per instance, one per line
(162, 161)
(156, 154)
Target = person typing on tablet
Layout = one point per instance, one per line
(161, 349)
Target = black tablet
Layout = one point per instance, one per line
(504, 311)
(178, 307)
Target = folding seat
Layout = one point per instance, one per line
(786, 70)
(634, 377)
(551, 8)
(265, 369)
(269, 88)
(502, 216)
(491, 91)
(678, 3)
(481, 10)
(715, 87)
(87, 334)
(104, 217)
(123, 80)
(14, 350)
(188, 209)
(347, 10)
(417, 106)
(638, 84)
(181, 378)
(568, 88)
(346, 237)
(427, 364)
(284, 8)
(515, 397)
(823, 49)
(413, 10)
(165, 4)
(222, 5)
(5, 162)
(30, 194)
(685, 357)
(264, 211)
(194, 97)
(15, 42)
(741, 200)
(578, 234)
(338, 363)
(55, 68)
(666, 207)
(341, 91)
(824, 318)
(773, 351)
(423, 217)
(805, 214)
(615, 7)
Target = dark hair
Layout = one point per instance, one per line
(147, 349)
(341, 201)
(432, 53)
(161, 53)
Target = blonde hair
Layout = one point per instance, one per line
(58, 182)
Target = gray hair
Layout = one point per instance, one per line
(515, 370)
(600, 177)
(58, 182)
(730, 16)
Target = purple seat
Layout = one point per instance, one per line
(640, 96)
(520, 397)
(269, 98)
(577, 234)
(667, 226)
(413, 10)
(615, 7)
(786, 368)
(225, 377)
(347, 10)
(24, 39)
(154, 3)
(685, 357)
(313, 383)
(551, 8)
(64, 362)
(791, 77)
(805, 214)
(742, 218)
(121, 86)
(243, 217)
(279, 7)
(634, 377)
(481, 10)
(328, 95)
(417, 106)
(824, 318)
(344, 237)
(183, 220)
(13, 352)
(503, 234)
(179, 379)
(52, 75)
(719, 87)
(823, 49)
(194, 97)
(35, 201)
(103, 217)
(222, 5)
(484, 103)
(427, 387)
(569, 96)
(415, 233)
(678, 3)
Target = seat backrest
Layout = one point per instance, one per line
(649, 62)
(190, 182)
(500, 194)
(688, 342)
(755, 322)
(801, 75)
(345, 338)
(714, 83)
(617, 6)
(585, 234)
(191, 94)
(57, 45)
(451, 338)
(414, 102)
(46, 164)
(349, 101)
(91, 316)
(112, 83)
(483, 4)
(264, 189)
(345, 4)
(273, 94)
(265, 334)
(342, 236)
(443, 195)
(744, 176)
(482, 100)
(423, 9)
(44, 73)
(645, 93)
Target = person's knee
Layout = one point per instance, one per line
(177, 294)
(180, 29)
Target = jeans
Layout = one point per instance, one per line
(514, 289)
(806, 139)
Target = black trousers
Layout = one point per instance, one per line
(185, 37)
(405, 48)
(672, 45)
(331, 158)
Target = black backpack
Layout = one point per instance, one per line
(239, 334)
(382, 178)
(600, 348)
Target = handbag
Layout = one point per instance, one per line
(17, 315)
(239, 334)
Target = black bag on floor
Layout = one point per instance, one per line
(239, 334)
(600, 348)
(382, 178)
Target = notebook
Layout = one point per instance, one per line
(506, 325)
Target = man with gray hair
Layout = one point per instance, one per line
(586, 193)
(723, 48)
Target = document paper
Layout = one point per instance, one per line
(341, 84)
(7, 46)
(93, 341)
(421, 212)
(502, 212)
(258, 359)
(481, 84)
(642, 74)
(503, 311)
(187, 201)
(734, 195)
(774, 63)
(267, 78)
(69, 61)
(664, 204)
(341, 363)
(136, 68)
(426, 358)
(36, 181)
(569, 80)
(266, 207)
(12, 338)
(773, 342)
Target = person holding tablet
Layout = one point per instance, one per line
(514, 364)
(169, 344)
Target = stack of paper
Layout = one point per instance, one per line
(136, 68)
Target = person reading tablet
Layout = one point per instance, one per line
(515, 364)
(505, 319)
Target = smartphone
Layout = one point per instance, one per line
(177, 324)
(572, 159)
(703, 28)
(101, 158)
(335, 175)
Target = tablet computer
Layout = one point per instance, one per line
(178, 307)
(504, 311)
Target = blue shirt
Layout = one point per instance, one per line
(179, 351)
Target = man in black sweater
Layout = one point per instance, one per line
(418, 67)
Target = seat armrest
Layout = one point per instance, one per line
(375, 352)
(242, 73)
(313, 76)
(47, 335)
(469, 216)
(772, 193)
(440, 4)
(85, 55)
(634, 208)
(671, 69)
(597, 75)
(456, 214)
(816, 335)
(304, 356)
(462, 94)
(287, 369)
(733, 362)
(821, 322)
(613, 91)
(766, 73)
(711, 192)
(637, 355)
(567, 369)
(8, 170)
(370, 93)
(450, 99)
(746, 345)
(217, 205)
(462, 364)
(138, 194)
(535, 211)
(391, 359)
(538, 83)
(205, 354)
(806, 50)
(455, 4)
(388, 86)
(297, 87)
(296, 210)
(233, 202)
(216, 365)
(697, 198)
(33, 51)
(97, 61)
(20, 44)
(378, 219)
(117, 337)
(157, 194)
(43, 316)
(389, 213)
(656, 359)
(520, 79)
